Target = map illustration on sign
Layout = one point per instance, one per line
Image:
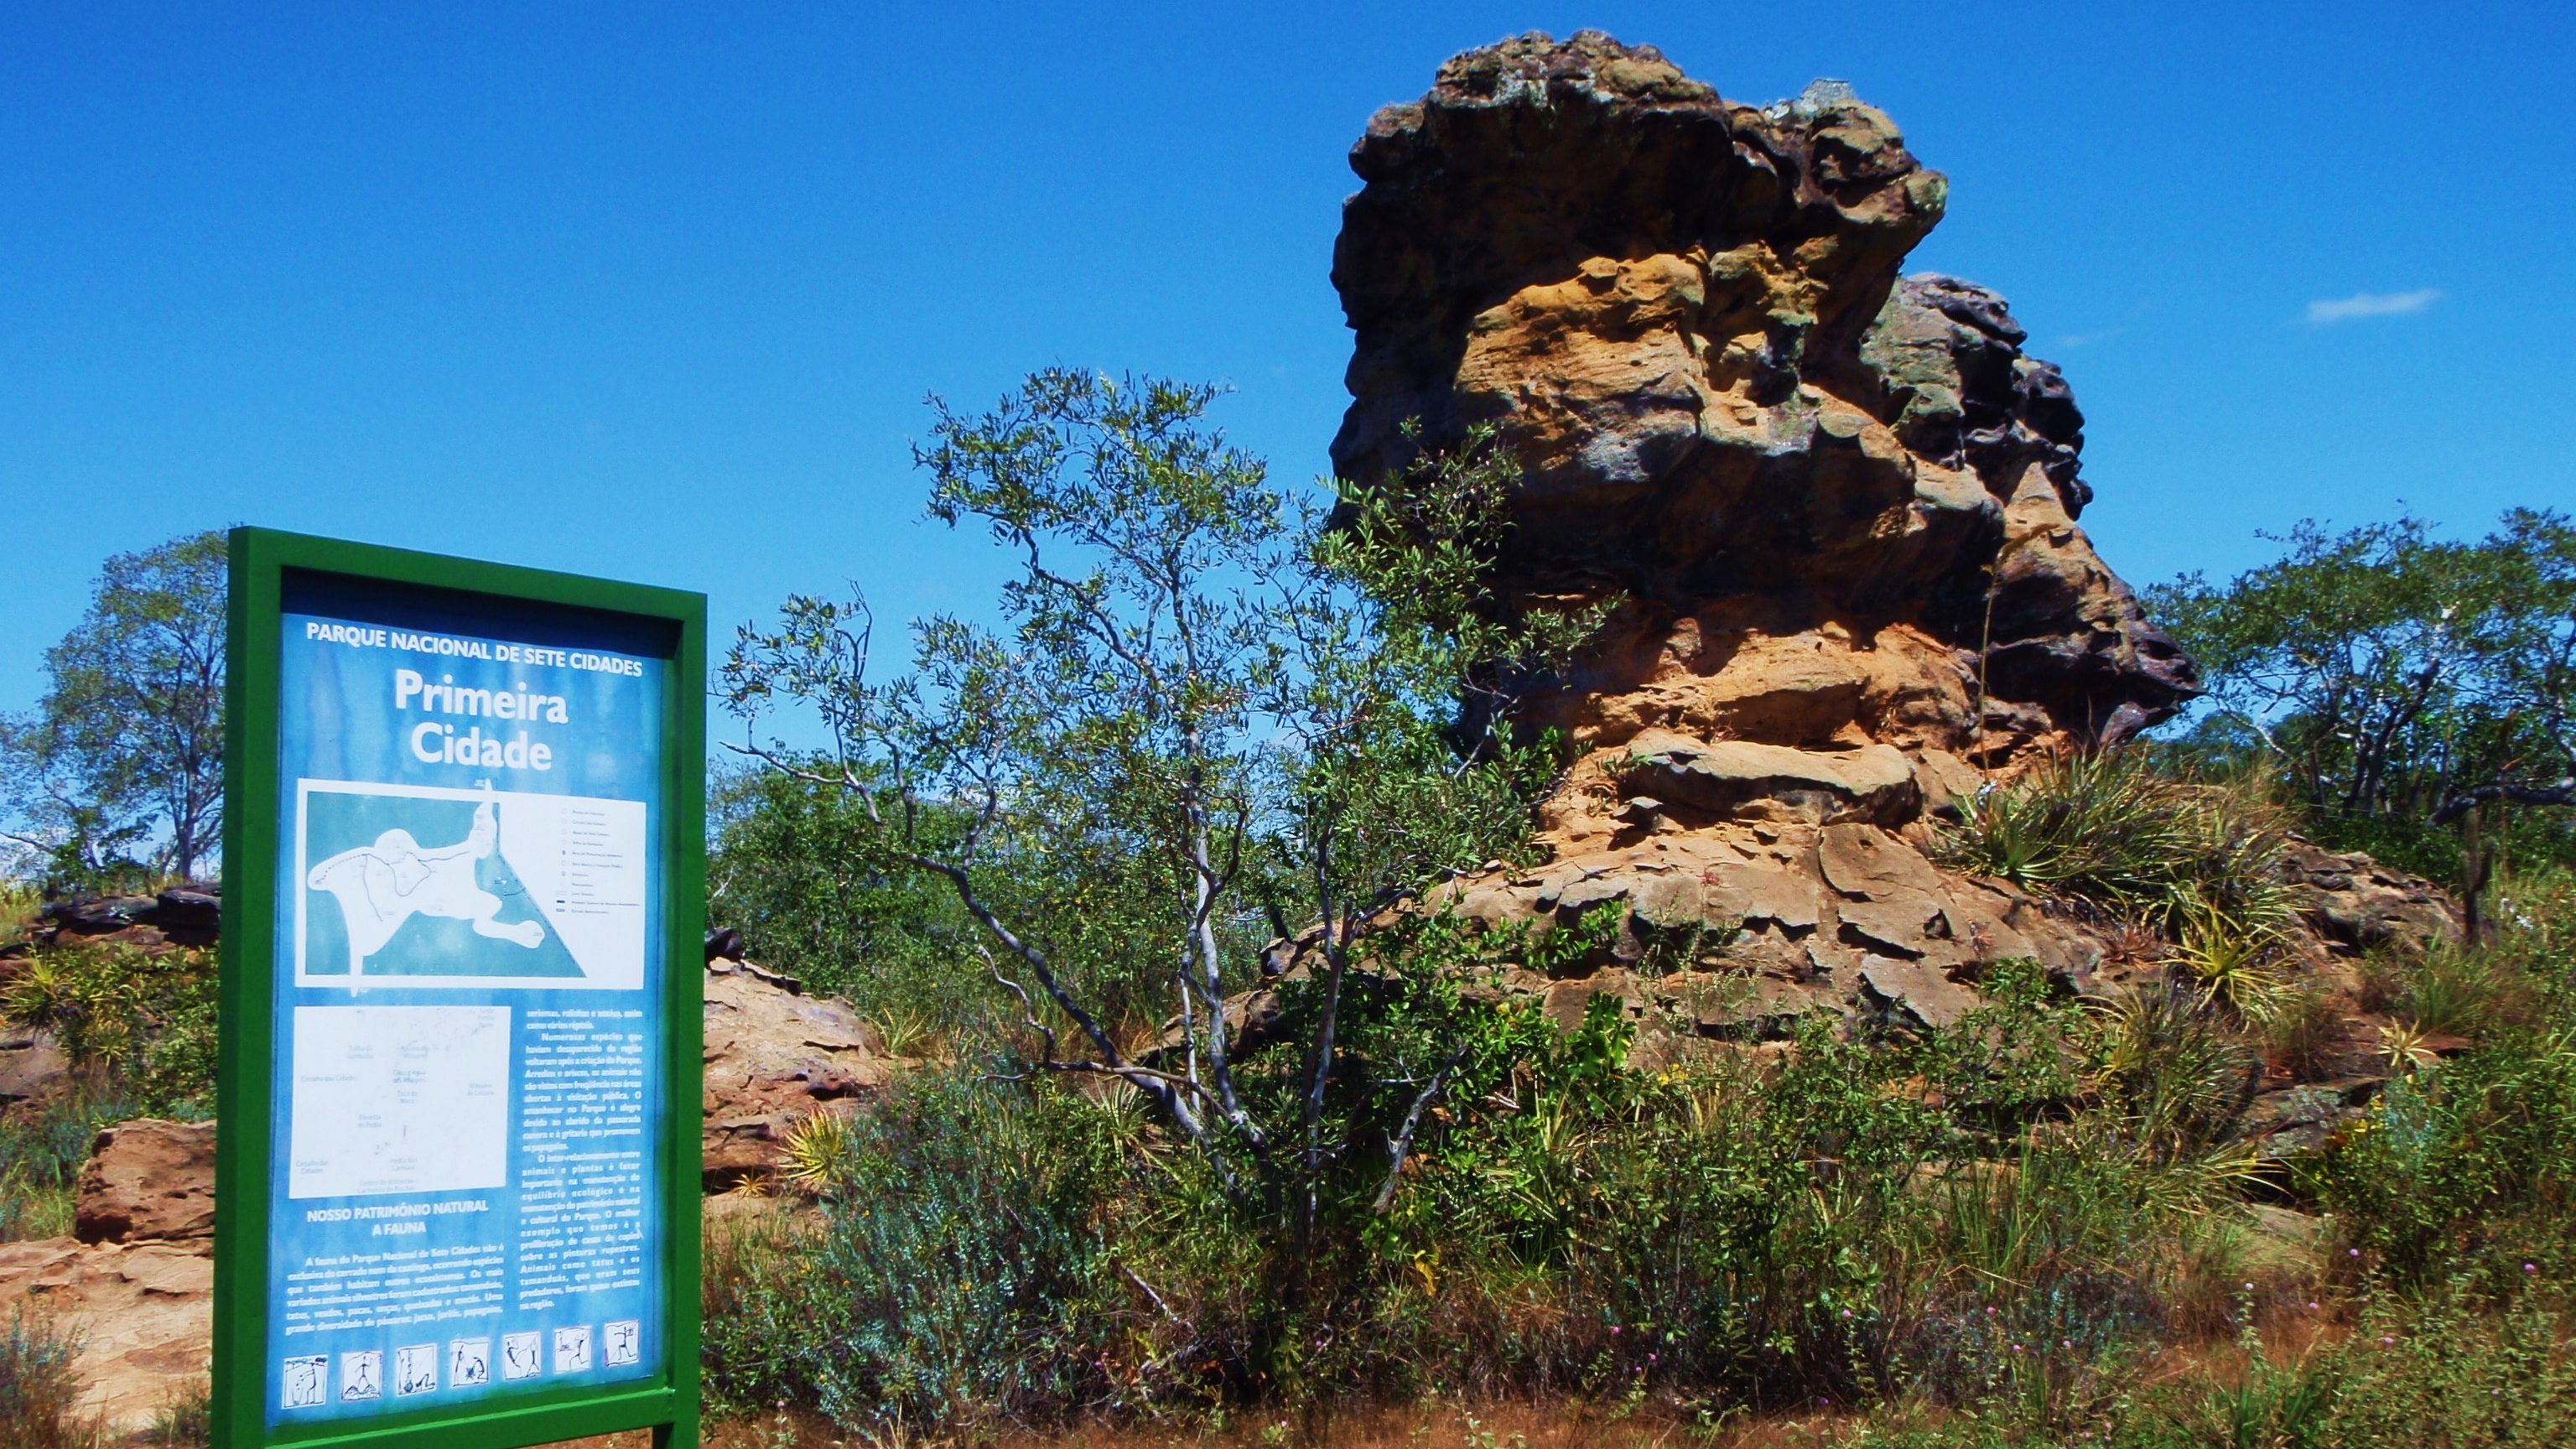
(420, 886)
(382, 885)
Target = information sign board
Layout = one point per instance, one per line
(456, 1194)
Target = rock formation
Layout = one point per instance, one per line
(775, 1056)
(149, 1180)
(1839, 503)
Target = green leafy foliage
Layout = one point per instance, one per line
(118, 773)
(143, 1019)
(2396, 678)
(1211, 714)
(960, 1275)
(801, 869)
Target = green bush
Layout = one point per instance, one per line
(2470, 1164)
(145, 1018)
(2117, 829)
(38, 1387)
(961, 1273)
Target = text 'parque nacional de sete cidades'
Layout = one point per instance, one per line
(436, 742)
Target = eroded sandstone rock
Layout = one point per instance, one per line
(774, 1056)
(149, 1180)
(1839, 504)
(143, 1313)
(2353, 903)
(1685, 316)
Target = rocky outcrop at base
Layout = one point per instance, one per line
(135, 1283)
(144, 1315)
(189, 915)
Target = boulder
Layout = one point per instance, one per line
(149, 1180)
(1743, 779)
(773, 1057)
(189, 915)
(1687, 320)
(186, 915)
(31, 1065)
(1913, 993)
(2353, 903)
(2300, 1119)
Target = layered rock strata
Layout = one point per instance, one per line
(1839, 504)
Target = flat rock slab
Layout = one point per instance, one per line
(1741, 777)
(1916, 992)
(143, 1312)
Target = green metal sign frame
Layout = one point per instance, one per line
(261, 559)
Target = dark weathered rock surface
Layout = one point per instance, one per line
(2353, 903)
(189, 915)
(1686, 317)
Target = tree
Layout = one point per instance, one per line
(125, 751)
(1209, 716)
(2398, 677)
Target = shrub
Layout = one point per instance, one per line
(960, 1274)
(146, 1018)
(806, 877)
(38, 1387)
(187, 1421)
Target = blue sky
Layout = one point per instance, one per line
(656, 292)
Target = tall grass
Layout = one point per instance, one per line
(42, 1147)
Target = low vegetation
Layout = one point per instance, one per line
(138, 1030)
(39, 1392)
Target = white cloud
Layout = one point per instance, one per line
(2372, 304)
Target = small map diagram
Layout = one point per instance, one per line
(393, 1099)
(421, 886)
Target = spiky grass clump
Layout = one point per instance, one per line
(2114, 829)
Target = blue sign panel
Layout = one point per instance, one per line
(465, 1192)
